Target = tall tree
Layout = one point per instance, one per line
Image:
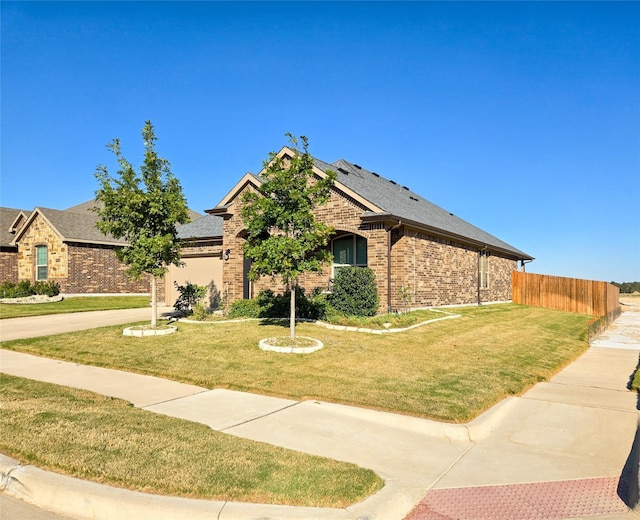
(143, 210)
(284, 237)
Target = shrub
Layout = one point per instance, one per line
(354, 291)
(190, 295)
(200, 312)
(49, 288)
(271, 305)
(26, 288)
(245, 309)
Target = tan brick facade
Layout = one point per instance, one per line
(436, 271)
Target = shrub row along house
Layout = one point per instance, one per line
(416, 249)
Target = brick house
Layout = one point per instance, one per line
(408, 242)
(11, 220)
(65, 246)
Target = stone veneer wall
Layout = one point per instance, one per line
(40, 233)
(9, 265)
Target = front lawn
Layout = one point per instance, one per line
(450, 370)
(73, 304)
(106, 440)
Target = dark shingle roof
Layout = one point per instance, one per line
(204, 227)
(7, 217)
(78, 224)
(400, 202)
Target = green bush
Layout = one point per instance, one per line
(245, 309)
(354, 292)
(25, 288)
(49, 288)
(190, 295)
(271, 305)
(200, 312)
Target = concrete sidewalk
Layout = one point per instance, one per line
(571, 435)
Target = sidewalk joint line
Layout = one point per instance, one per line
(261, 416)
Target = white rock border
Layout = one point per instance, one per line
(139, 331)
(264, 345)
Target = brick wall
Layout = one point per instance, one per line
(9, 265)
(436, 270)
(94, 269)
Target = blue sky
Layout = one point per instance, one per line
(522, 118)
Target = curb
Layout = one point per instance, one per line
(70, 496)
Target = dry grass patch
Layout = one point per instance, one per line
(108, 441)
(449, 370)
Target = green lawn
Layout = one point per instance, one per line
(450, 370)
(73, 304)
(108, 441)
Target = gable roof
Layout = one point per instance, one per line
(72, 225)
(385, 200)
(9, 224)
(76, 224)
(400, 203)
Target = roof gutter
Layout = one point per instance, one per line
(389, 231)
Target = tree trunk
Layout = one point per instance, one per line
(154, 303)
(292, 312)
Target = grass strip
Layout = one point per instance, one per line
(73, 304)
(107, 440)
(449, 370)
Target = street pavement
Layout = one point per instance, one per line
(559, 451)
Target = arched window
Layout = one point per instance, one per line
(349, 250)
(41, 263)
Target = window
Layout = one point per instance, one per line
(483, 269)
(41, 262)
(349, 250)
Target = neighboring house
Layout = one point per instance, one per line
(65, 246)
(412, 245)
(11, 220)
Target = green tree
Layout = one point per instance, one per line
(284, 237)
(143, 210)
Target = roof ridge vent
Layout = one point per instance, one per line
(393, 182)
(357, 166)
(374, 173)
(340, 169)
(413, 198)
(406, 188)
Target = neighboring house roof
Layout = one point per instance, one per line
(209, 226)
(10, 220)
(385, 200)
(76, 224)
(72, 225)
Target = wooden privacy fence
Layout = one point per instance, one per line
(599, 299)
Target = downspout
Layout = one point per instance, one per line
(523, 262)
(389, 263)
(480, 253)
